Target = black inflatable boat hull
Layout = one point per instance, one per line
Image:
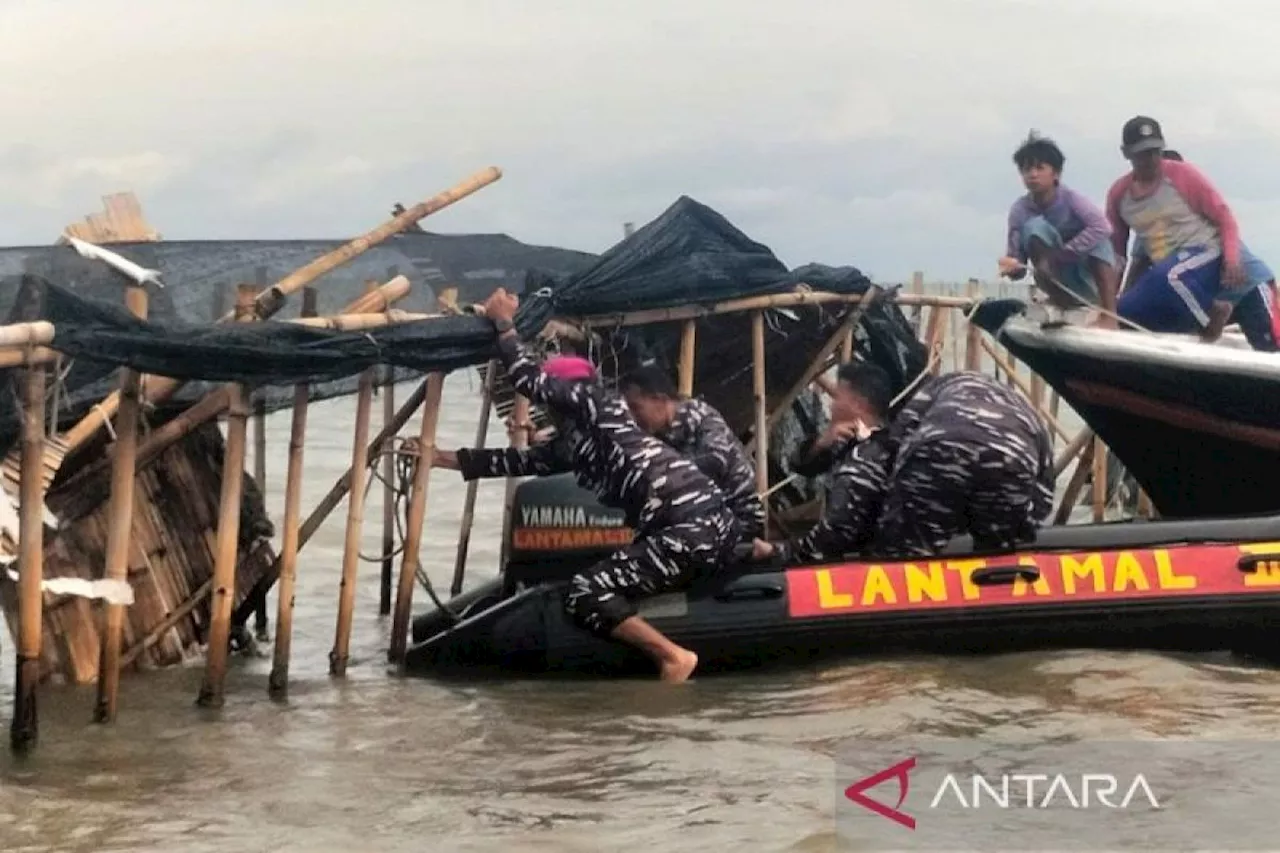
(1195, 586)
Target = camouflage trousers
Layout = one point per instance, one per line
(602, 597)
(941, 489)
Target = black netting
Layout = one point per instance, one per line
(689, 254)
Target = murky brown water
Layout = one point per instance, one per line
(378, 762)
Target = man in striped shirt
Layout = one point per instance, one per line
(1187, 230)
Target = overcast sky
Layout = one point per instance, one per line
(876, 134)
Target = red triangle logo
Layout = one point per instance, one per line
(898, 771)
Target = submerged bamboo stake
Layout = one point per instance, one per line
(120, 522)
(335, 495)
(25, 727)
(469, 506)
(278, 681)
(355, 524)
(388, 497)
(759, 389)
(269, 301)
(224, 568)
(688, 356)
(417, 515)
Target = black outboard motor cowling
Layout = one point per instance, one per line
(558, 529)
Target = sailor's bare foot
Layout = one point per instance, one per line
(680, 667)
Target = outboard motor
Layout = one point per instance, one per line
(558, 529)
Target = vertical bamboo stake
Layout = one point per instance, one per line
(973, 339)
(120, 521)
(388, 497)
(1099, 480)
(355, 523)
(260, 461)
(25, 727)
(519, 438)
(688, 354)
(762, 411)
(469, 507)
(917, 287)
(278, 681)
(417, 514)
(388, 486)
(224, 568)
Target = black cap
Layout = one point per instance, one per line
(1141, 133)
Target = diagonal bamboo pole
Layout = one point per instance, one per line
(469, 507)
(272, 299)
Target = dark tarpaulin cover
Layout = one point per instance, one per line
(689, 254)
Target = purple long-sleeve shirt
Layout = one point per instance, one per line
(1081, 223)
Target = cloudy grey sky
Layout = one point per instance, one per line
(876, 133)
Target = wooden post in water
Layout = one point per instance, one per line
(25, 729)
(417, 515)
(355, 523)
(120, 520)
(760, 392)
(469, 505)
(388, 486)
(278, 681)
(688, 356)
(224, 568)
(388, 496)
(260, 461)
(519, 438)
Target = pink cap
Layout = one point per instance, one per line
(569, 367)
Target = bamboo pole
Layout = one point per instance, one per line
(518, 437)
(973, 337)
(1017, 382)
(388, 497)
(269, 301)
(1071, 451)
(360, 322)
(27, 335)
(934, 331)
(25, 728)
(120, 521)
(1145, 508)
(761, 438)
(224, 569)
(917, 289)
(260, 477)
(469, 505)
(754, 303)
(334, 497)
(215, 403)
(688, 356)
(27, 356)
(417, 514)
(355, 524)
(1072, 493)
(278, 681)
(819, 363)
(1099, 481)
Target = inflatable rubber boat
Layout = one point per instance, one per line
(1186, 585)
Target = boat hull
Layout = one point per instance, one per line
(1191, 586)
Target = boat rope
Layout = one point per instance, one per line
(404, 453)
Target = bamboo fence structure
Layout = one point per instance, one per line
(33, 346)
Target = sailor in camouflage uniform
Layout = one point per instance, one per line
(862, 456)
(683, 528)
(698, 431)
(971, 457)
